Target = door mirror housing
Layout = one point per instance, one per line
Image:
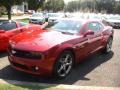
(21, 30)
(89, 32)
(2, 31)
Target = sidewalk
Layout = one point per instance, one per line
(57, 86)
(16, 17)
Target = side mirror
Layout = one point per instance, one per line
(89, 32)
(21, 30)
(2, 31)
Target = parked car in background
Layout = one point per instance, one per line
(95, 16)
(56, 49)
(29, 11)
(77, 15)
(9, 29)
(114, 21)
(52, 17)
(37, 18)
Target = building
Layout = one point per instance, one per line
(20, 8)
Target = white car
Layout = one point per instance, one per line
(55, 16)
(37, 18)
(114, 21)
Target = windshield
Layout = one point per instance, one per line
(37, 15)
(96, 17)
(7, 26)
(67, 26)
(114, 17)
(3, 27)
(53, 15)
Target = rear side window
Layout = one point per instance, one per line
(8, 26)
(95, 26)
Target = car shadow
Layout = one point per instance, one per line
(78, 73)
(3, 54)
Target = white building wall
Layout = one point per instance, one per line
(20, 8)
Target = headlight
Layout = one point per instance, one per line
(11, 43)
(112, 23)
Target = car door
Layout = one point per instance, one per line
(95, 39)
(81, 45)
(81, 48)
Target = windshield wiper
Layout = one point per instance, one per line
(66, 32)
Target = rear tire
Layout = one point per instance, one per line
(63, 65)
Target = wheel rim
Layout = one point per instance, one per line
(65, 65)
(109, 45)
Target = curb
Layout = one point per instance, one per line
(58, 86)
(15, 17)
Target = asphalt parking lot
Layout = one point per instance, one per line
(97, 70)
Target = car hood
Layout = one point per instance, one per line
(39, 40)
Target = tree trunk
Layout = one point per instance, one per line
(9, 12)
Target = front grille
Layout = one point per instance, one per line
(19, 65)
(117, 23)
(25, 54)
(33, 19)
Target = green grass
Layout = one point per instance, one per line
(16, 87)
(24, 20)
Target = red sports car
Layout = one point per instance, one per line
(56, 49)
(9, 29)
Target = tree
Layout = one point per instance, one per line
(8, 4)
(80, 5)
(73, 6)
(0, 9)
(92, 5)
(54, 5)
(117, 7)
(107, 5)
(35, 4)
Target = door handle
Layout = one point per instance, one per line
(88, 40)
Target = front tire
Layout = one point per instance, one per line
(108, 46)
(63, 65)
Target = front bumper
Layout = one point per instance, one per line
(116, 25)
(35, 67)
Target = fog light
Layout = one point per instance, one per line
(36, 68)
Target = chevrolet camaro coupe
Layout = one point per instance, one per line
(9, 29)
(54, 50)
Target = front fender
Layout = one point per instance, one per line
(61, 48)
